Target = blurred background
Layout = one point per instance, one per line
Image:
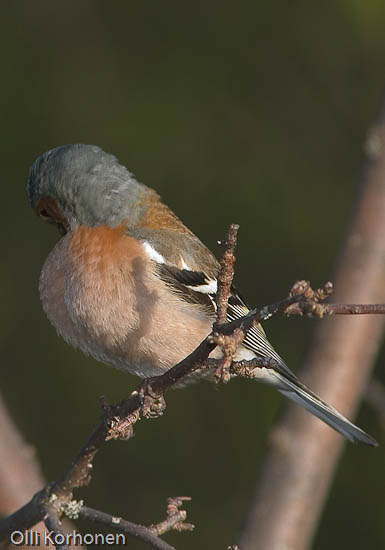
(245, 112)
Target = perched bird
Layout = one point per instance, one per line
(129, 284)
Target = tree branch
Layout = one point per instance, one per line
(303, 454)
(147, 400)
(117, 420)
(226, 273)
(141, 532)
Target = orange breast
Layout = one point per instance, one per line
(103, 245)
(99, 289)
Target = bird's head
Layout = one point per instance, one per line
(83, 185)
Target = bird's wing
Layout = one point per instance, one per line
(194, 287)
(199, 288)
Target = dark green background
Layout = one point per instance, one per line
(245, 112)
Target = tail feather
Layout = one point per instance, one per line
(301, 395)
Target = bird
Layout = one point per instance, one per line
(129, 284)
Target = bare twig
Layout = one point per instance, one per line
(141, 532)
(226, 273)
(228, 344)
(175, 517)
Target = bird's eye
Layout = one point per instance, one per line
(44, 214)
(49, 210)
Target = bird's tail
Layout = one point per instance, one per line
(300, 394)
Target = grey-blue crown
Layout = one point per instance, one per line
(90, 185)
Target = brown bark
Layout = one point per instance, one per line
(303, 452)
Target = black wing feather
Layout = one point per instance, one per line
(189, 284)
(183, 281)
